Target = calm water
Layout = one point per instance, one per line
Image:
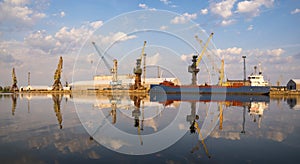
(83, 128)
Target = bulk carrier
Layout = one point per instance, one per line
(255, 85)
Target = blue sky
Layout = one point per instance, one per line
(33, 34)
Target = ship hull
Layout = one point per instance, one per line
(176, 89)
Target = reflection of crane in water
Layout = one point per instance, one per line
(56, 106)
(14, 103)
(194, 127)
(136, 113)
(192, 119)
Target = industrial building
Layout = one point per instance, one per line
(102, 82)
(293, 84)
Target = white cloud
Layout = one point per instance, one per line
(223, 8)
(62, 14)
(143, 6)
(183, 18)
(230, 51)
(227, 22)
(250, 28)
(166, 2)
(153, 60)
(66, 34)
(204, 11)
(41, 41)
(187, 57)
(96, 24)
(295, 11)
(275, 52)
(116, 37)
(18, 14)
(252, 8)
(163, 27)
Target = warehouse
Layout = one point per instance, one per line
(293, 84)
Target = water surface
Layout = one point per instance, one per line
(46, 128)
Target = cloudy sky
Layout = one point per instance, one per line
(33, 34)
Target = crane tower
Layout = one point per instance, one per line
(57, 84)
(138, 70)
(193, 68)
(14, 86)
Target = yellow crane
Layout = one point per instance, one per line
(143, 55)
(138, 70)
(14, 86)
(200, 139)
(203, 47)
(221, 70)
(196, 59)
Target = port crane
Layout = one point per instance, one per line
(14, 86)
(57, 75)
(221, 70)
(193, 68)
(138, 70)
(114, 70)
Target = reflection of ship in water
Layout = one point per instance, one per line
(256, 104)
(256, 111)
(231, 100)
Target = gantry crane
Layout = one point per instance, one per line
(113, 70)
(193, 68)
(138, 70)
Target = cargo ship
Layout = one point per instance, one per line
(255, 85)
(170, 88)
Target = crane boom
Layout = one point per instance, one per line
(144, 63)
(102, 57)
(143, 50)
(203, 49)
(221, 71)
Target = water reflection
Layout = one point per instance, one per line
(251, 118)
(56, 106)
(14, 103)
(294, 102)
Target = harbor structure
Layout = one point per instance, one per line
(293, 84)
(14, 86)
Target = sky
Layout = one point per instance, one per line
(34, 34)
